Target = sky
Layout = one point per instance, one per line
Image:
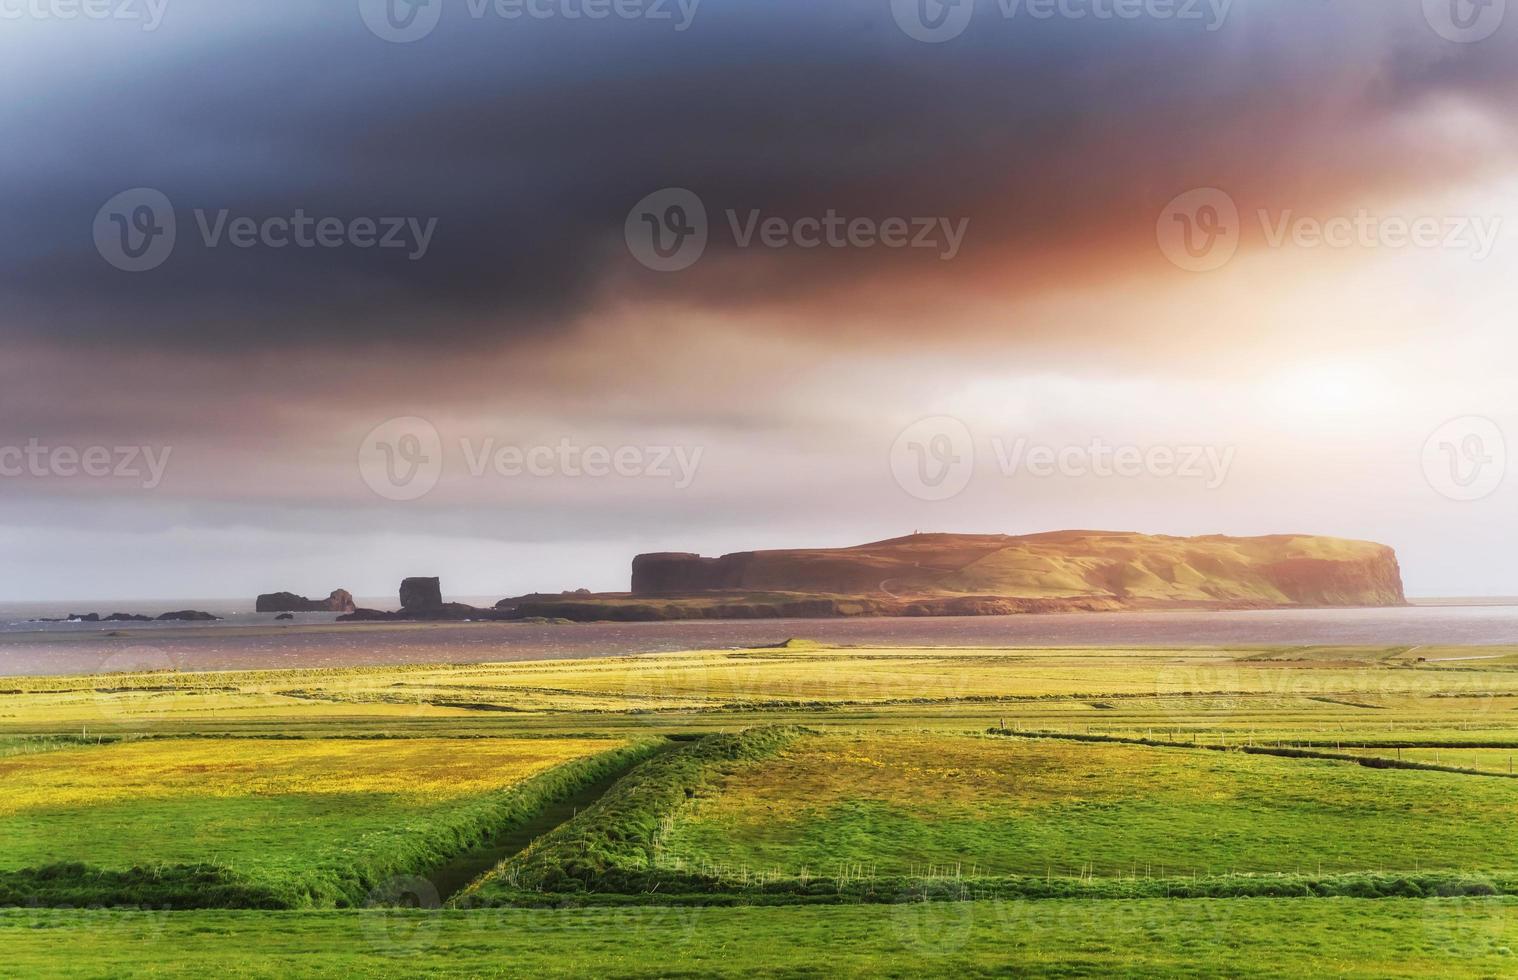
(306, 295)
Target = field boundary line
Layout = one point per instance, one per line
(1369, 762)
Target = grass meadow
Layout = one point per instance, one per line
(1050, 938)
(900, 804)
(796, 810)
(273, 822)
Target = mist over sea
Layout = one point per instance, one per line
(245, 640)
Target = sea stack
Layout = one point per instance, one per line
(421, 594)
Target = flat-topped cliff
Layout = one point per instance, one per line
(1094, 569)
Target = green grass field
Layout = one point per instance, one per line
(796, 810)
(1052, 938)
(277, 823)
(901, 804)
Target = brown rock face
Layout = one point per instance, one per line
(419, 594)
(668, 573)
(1339, 583)
(986, 573)
(340, 601)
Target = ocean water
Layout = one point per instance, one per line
(25, 617)
(246, 640)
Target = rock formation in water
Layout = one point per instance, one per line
(419, 594)
(121, 617)
(340, 601)
(422, 601)
(189, 616)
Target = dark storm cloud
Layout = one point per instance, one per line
(529, 141)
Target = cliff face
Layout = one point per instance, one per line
(1123, 569)
(419, 594)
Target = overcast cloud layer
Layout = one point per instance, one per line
(1053, 145)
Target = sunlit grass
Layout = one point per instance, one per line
(1151, 939)
(901, 803)
(259, 807)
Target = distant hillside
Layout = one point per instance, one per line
(1074, 569)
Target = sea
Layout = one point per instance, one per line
(246, 640)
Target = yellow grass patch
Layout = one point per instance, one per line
(423, 768)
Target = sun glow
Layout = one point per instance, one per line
(1328, 389)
